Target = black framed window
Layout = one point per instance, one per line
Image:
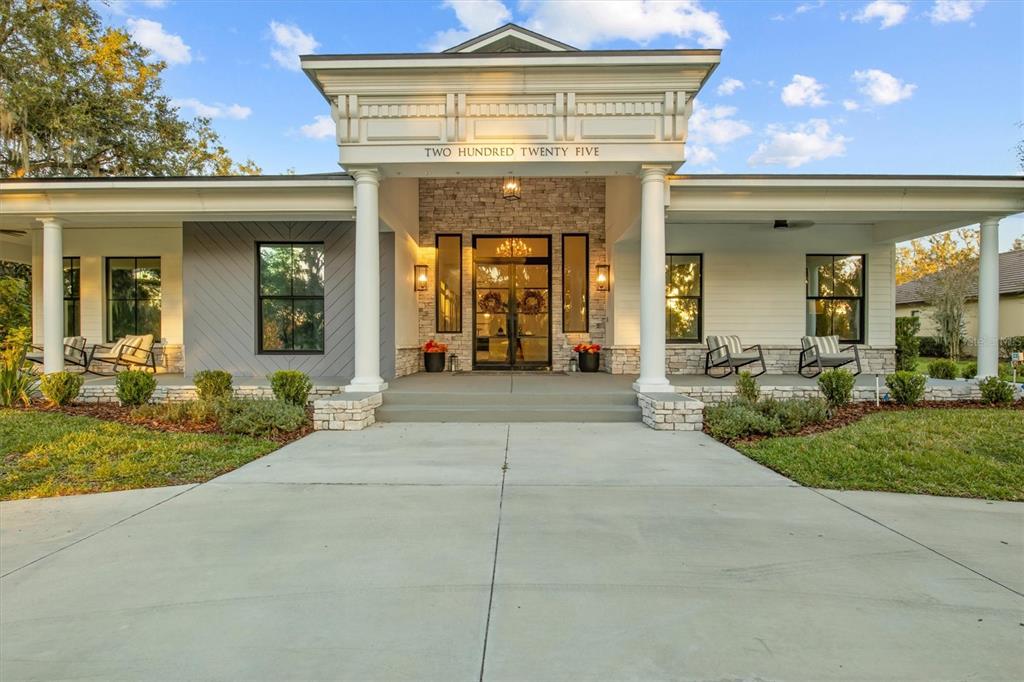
(290, 297)
(835, 296)
(72, 296)
(684, 290)
(575, 283)
(448, 286)
(133, 296)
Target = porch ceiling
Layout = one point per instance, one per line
(898, 207)
(168, 202)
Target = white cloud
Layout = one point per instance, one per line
(716, 125)
(167, 46)
(475, 17)
(808, 6)
(729, 86)
(155, 4)
(804, 91)
(883, 88)
(584, 23)
(805, 142)
(321, 127)
(850, 105)
(890, 13)
(699, 155)
(216, 110)
(291, 41)
(947, 11)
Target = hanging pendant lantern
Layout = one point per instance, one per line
(511, 189)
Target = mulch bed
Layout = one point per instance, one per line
(854, 412)
(114, 412)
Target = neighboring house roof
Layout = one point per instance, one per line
(1011, 280)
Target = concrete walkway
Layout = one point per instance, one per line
(521, 552)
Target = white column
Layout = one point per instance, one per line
(53, 295)
(652, 281)
(367, 285)
(988, 299)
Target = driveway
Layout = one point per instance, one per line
(510, 552)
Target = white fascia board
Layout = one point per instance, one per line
(202, 185)
(516, 60)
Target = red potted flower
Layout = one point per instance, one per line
(589, 356)
(433, 356)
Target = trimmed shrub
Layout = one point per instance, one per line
(970, 370)
(837, 386)
(135, 387)
(995, 391)
(740, 418)
(793, 415)
(261, 417)
(291, 386)
(747, 388)
(61, 388)
(942, 369)
(908, 345)
(737, 419)
(907, 388)
(182, 412)
(931, 347)
(212, 384)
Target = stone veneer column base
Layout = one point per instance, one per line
(351, 413)
(671, 412)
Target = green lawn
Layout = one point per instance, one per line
(922, 365)
(955, 452)
(47, 453)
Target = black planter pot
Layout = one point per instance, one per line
(589, 362)
(433, 362)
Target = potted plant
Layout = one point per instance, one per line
(589, 356)
(433, 356)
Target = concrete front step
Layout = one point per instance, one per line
(580, 401)
(515, 413)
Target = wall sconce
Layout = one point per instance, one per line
(602, 278)
(421, 277)
(511, 189)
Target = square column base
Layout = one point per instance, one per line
(652, 386)
(366, 386)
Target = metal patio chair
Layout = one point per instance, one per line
(130, 352)
(727, 352)
(74, 353)
(824, 352)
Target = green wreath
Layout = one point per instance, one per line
(532, 302)
(491, 303)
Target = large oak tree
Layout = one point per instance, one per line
(78, 98)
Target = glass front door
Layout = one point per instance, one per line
(512, 302)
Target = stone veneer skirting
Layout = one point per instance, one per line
(549, 207)
(166, 394)
(713, 395)
(352, 412)
(778, 359)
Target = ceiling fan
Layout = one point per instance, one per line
(783, 224)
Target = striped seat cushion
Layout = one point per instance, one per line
(732, 345)
(826, 345)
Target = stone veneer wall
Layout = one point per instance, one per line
(549, 206)
(353, 413)
(407, 360)
(689, 359)
(107, 393)
(671, 413)
(713, 395)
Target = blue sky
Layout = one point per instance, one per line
(886, 86)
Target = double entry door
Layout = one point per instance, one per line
(512, 302)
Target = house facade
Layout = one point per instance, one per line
(911, 301)
(510, 197)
